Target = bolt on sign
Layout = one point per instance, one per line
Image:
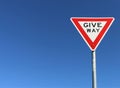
(92, 29)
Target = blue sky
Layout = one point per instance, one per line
(40, 47)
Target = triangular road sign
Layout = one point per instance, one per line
(92, 29)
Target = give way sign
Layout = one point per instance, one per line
(92, 29)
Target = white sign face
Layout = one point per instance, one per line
(92, 28)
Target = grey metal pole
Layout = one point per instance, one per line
(94, 76)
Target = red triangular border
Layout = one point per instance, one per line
(92, 45)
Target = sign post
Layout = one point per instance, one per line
(92, 30)
(94, 76)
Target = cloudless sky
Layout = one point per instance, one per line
(40, 47)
